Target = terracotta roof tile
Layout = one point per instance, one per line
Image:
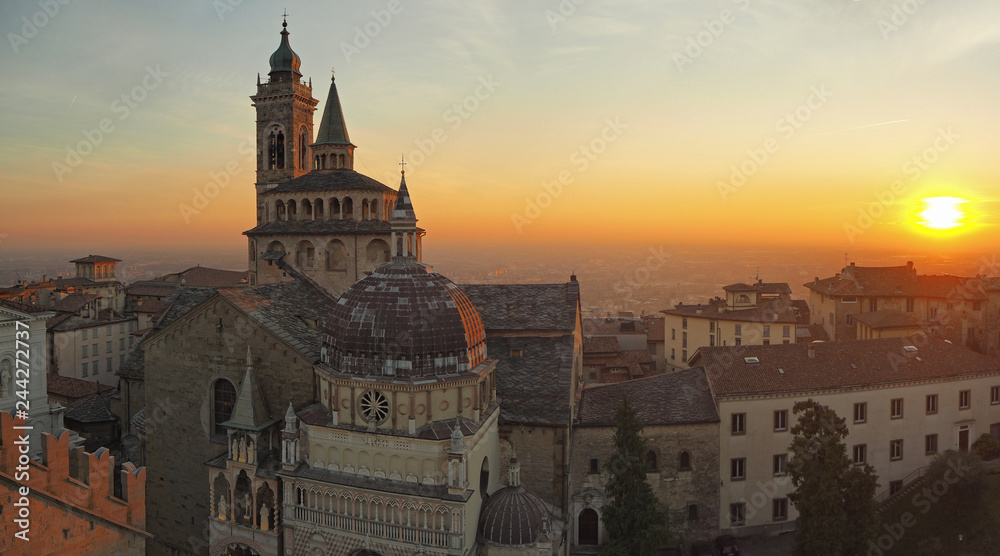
(74, 388)
(888, 319)
(96, 259)
(787, 368)
(600, 344)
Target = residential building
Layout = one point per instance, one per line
(904, 400)
(952, 307)
(751, 314)
(87, 342)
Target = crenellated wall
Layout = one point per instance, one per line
(68, 497)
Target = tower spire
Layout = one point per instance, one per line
(333, 147)
(405, 233)
(285, 63)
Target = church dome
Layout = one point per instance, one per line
(512, 516)
(284, 58)
(404, 321)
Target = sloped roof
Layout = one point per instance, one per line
(95, 408)
(151, 288)
(765, 311)
(655, 328)
(534, 388)
(836, 365)
(74, 388)
(250, 410)
(403, 209)
(339, 179)
(332, 128)
(286, 309)
(890, 281)
(74, 302)
(134, 365)
(320, 227)
(203, 276)
(600, 344)
(96, 259)
(888, 319)
(677, 398)
(181, 301)
(526, 306)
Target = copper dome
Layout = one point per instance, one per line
(404, 321)
(512, 516)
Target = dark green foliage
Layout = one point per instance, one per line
(987, 447)
(634, 524)
(834, 497)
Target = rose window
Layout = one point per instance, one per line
(374, 406)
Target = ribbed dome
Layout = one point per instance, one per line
(403, 321)
(284, 58)
(512, 516)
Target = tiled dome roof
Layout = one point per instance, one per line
(512, 516)
(404, 321)
(284, 58)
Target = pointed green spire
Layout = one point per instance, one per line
(332, 129)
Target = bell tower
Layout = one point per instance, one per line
(285, 107)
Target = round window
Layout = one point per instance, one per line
(374, 406)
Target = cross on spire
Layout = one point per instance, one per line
(402, 165)
(284, 15)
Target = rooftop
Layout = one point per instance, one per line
(526, 306)
(888, 319)
(74, 388)
(340, 179)
(788, 368)
(760, 287)
(890, 281)
(677, 398)
(96, 259)
(95, 408)
(766, 311)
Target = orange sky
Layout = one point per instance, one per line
(823, 104)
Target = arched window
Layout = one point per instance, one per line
(223, 399)
(292, 211)
(307, 213)
(650, 462)
(348, 209)
(280, 214)
(588, 527)
(272, 150)
(377, 252)
(685, 463)
(364, 209)
(343, 162)
(318, 209)
(303, 150)
(280, 150)
(322, 162)
(484, 478)
(334, 209)
(742, 298)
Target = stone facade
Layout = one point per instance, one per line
(183, 362)
(677, 488)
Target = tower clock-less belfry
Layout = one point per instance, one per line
(315, 214)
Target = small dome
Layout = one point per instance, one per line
(404, 321)
(284, 58)
(512, 516)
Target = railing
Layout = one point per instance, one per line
(886, 495)
(395, 531)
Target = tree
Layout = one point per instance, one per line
(834, 497)
(634, 524)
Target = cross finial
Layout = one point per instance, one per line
(402, 164)
(333, 72)
(284, 16)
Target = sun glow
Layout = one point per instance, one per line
(942, 213)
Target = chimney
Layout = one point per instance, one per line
(698, 310)
(572, 277)
(852, 263)
(909, 266)
(816, 280)
(812, 351)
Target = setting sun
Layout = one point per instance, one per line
(942, 213)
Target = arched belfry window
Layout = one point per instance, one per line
(223, 399)
(303, 150)
(272, 150)
(280, 150)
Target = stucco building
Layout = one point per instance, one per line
(905, 400)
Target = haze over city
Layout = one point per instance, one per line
(770, 124)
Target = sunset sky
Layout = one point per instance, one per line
(759, 122)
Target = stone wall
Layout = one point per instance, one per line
(676, 488)
(182, 363)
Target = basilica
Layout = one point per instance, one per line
(350, 400)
